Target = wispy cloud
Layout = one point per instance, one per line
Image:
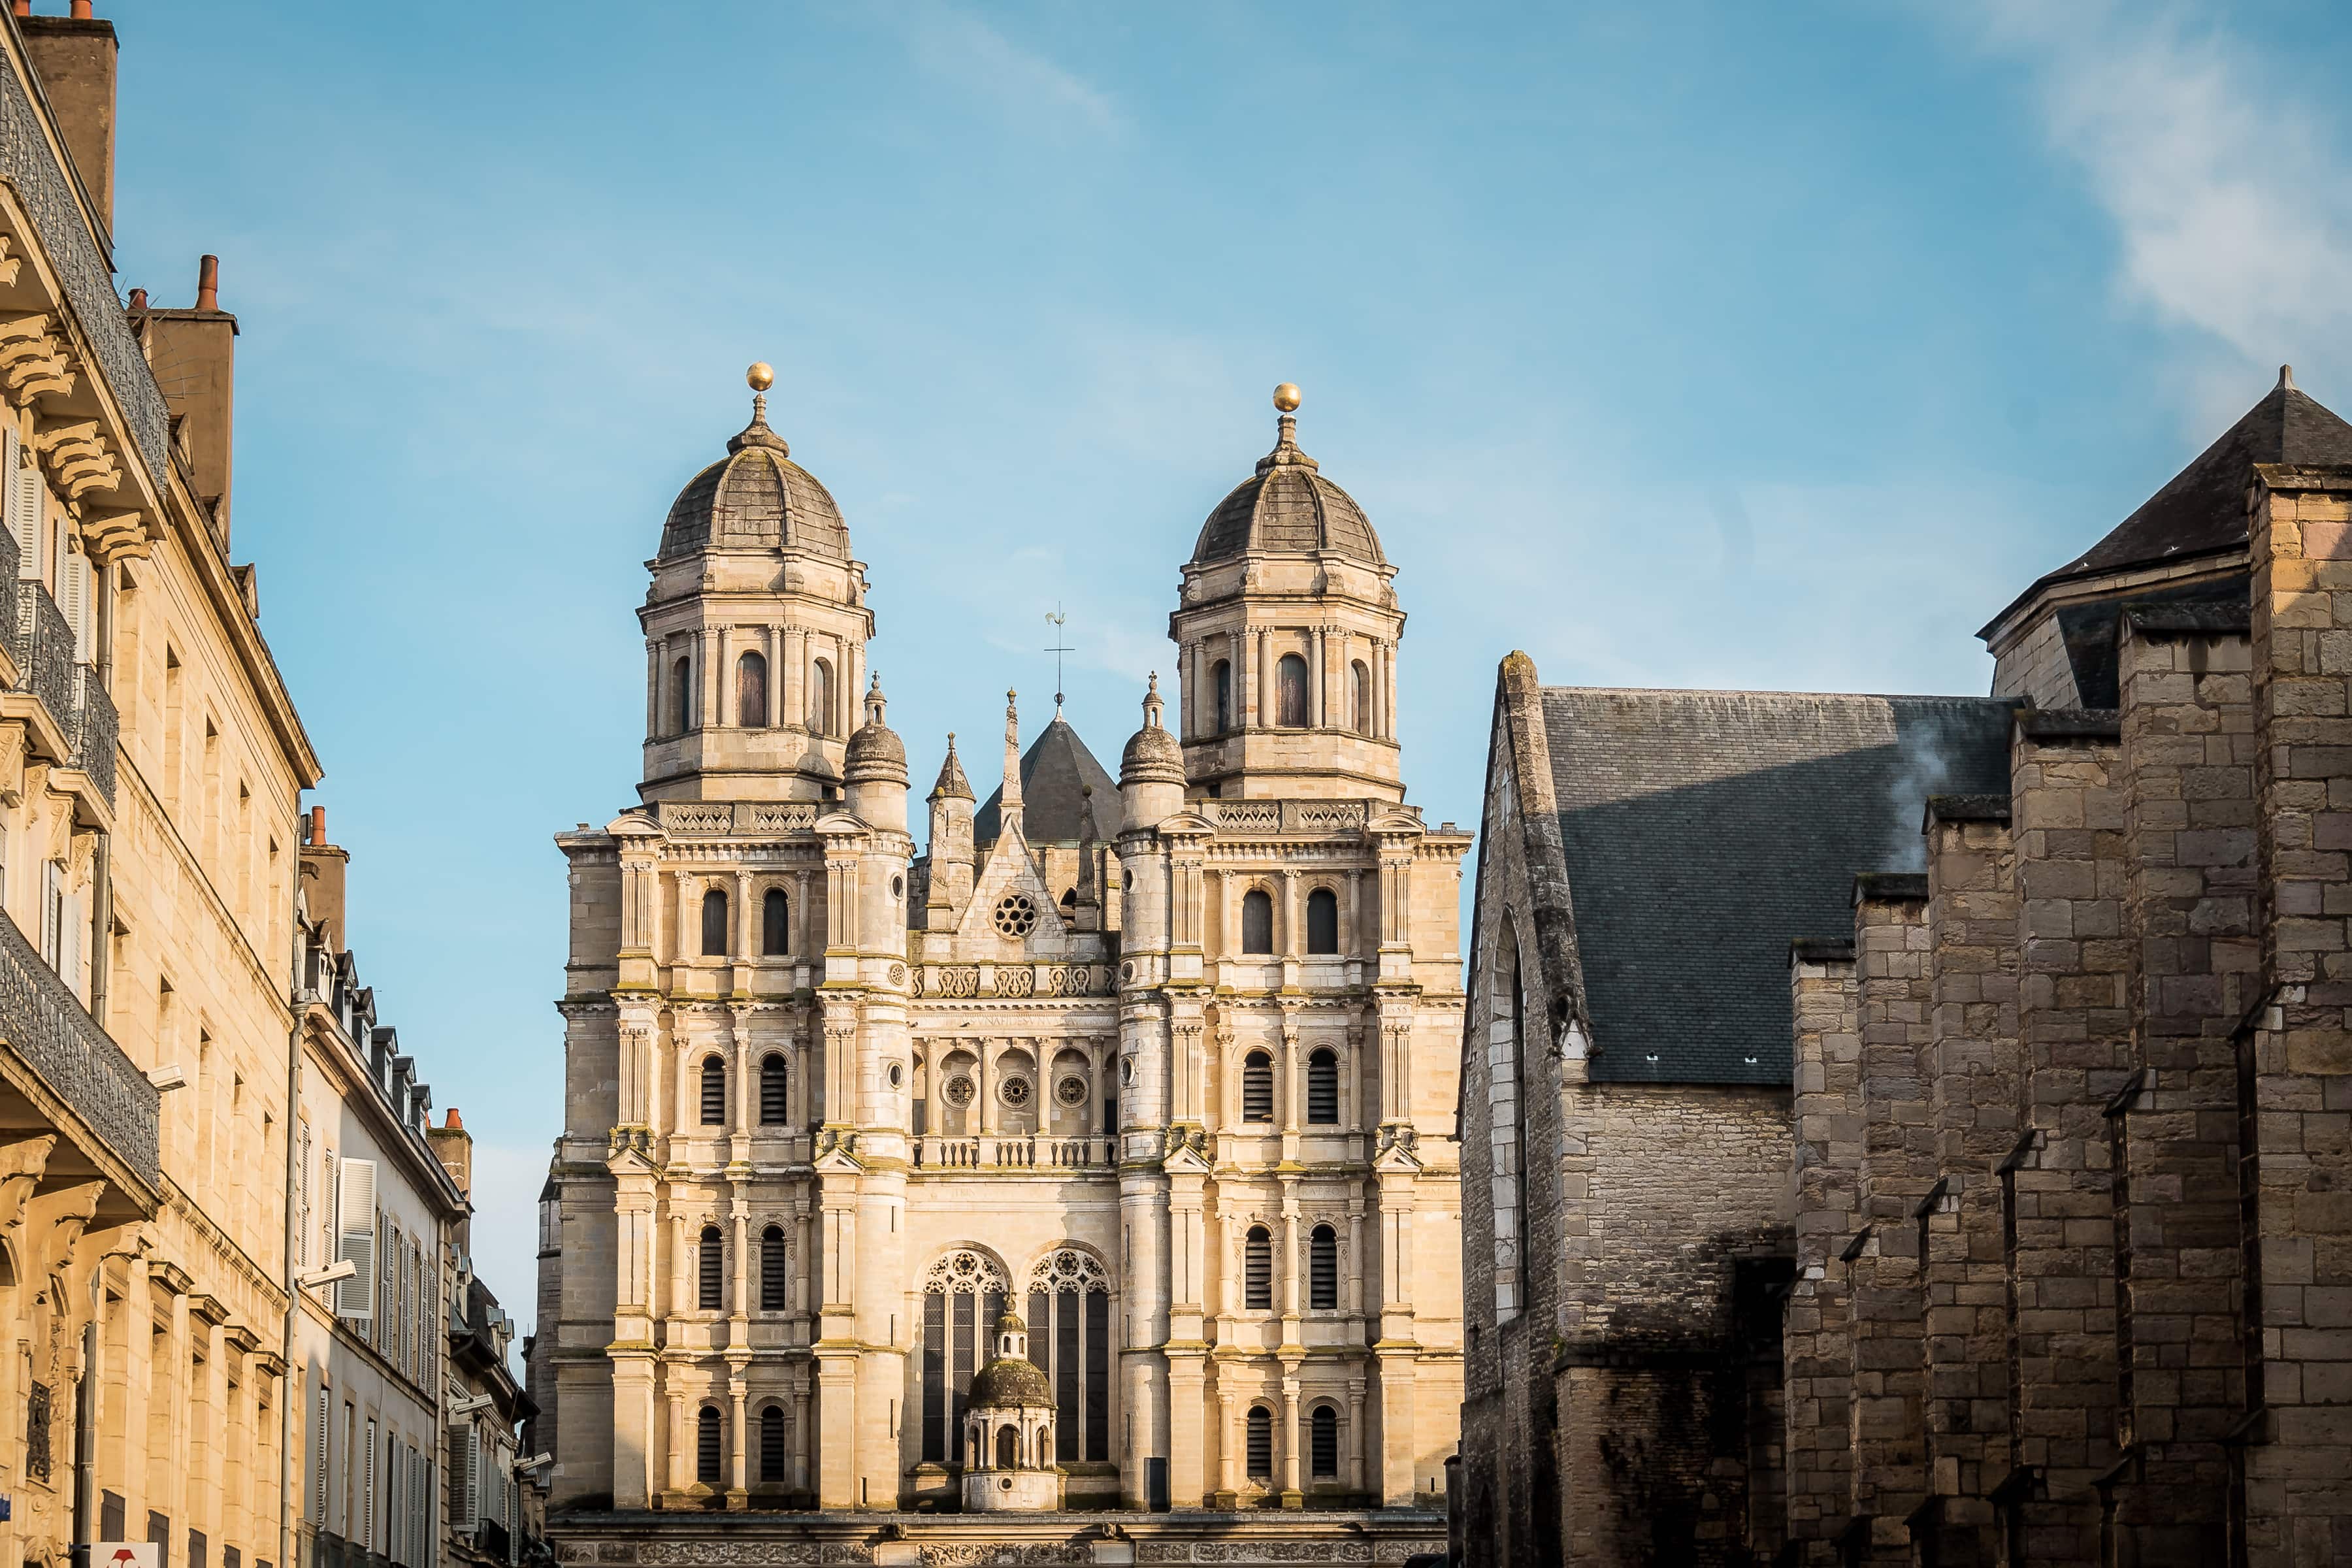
(1018, 81)
(2232, 196)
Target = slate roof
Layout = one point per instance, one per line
(1289, 508)
(1705, 831)
(2201, 509)
(1053, 771)
(755, 498)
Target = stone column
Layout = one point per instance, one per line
(653, 688)
(1229, 1447)
(1826, 1116)
(792, 680)
(1356, 1435)
(1317, 680)
(681, 1442)
(1244, 678)
(1293, 1496)
(983, 1102)
(736, 1471)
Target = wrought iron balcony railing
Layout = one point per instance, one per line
(91, 727)
(45, 1024)
(44, 647)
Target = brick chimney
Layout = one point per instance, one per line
(194, 356)
(74, 57)
(323, 867)
(453, 1147)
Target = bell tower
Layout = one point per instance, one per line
(1288, 629)
(755, 630)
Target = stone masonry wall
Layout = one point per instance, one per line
(1826, 1120)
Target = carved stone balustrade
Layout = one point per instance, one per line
(1014, 1151)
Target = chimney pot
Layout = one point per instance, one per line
(138, 298)
(24, 7)
(81, 10)
(453, 1121)
(208, 283)
(318, 825)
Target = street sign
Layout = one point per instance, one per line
(125, 1554)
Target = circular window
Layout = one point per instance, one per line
(959, 1091)
(1127, 971)
(897, 1075)
(1014, 1091)
(1071, 1090)
(1006, 1483)
(1130, 882)
(1126, 1071)
(1016, 916)
(897, 886)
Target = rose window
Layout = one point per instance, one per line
(1014, 1091)
(1016, 917)
(959, 1091)
(1071, 1090)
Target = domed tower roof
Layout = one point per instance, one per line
(874, 753)
(1288, 507)
(755, 498)
(1152, 754)
(1009, 1383)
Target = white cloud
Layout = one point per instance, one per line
(2229, 193)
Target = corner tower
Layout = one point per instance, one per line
(1288, 628)
(755, 630)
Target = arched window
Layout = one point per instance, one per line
(681, 695)
(771, 1445)
(1257, 1087)
(1257, 920)
(751, 690)
(963, 1295)
(1260, 1445)
(1322, 920)
(774, 1279)
(1257, 1271)
(773, 1076)
(1222, 679)
(1323, 1269)
(1008, 1452)
(1322, 1088)
(714, 1092)
(775, 929)
(1069, 1341)
(820, 699)
(1360, 696)
(706, 1446)
(1290, 692)
(710, 1269)
(1323, 1442)
(714, 925)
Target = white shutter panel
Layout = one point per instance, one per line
(302, 1229)
(25, 516)
(355, 1228)
(318, 1459)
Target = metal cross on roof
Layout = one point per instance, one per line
(1057, 648)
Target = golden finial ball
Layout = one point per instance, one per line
(1286, 397)
(761, 375)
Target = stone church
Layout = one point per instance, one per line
(1162, 1065)
(1918, 1130)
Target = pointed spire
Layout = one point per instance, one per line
(2286, 379)
(1152, 703)
(1009, 803)
(874, 701)
(952, 785)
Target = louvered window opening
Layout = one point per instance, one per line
(705, 1447)
(773, 1085)
(710, 1274)
(1258, 1087)
(772, 1446)
(1260, 1447)
(1258, 1271)
(714, 1092)
(1323, 1270)
(1323, 1088)
(1323, 1441)
(774, 1279)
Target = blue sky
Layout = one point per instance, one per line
(1677, 345)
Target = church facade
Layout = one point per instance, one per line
(1164, 1065)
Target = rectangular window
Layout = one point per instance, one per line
(367, 1492)
(319, 1459)
(1097, 1374)
(1067, 1435)
(199, 1549)
(961, 1303)
(159, 1536)
(935, 1367)
(110, 1516)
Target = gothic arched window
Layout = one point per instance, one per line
(711, 1272)
(773, 1080)
(751, 690)
(1360, 696)
(775, 930)
(1322, 920)
(1260, 1445)
(820, 699)
(1323, 1270)
(681, 695)
(1257, 1271)
(706, 1446)
(714, 925)
(1257, 1087)
(1257, 920)
(1069, 1341)
(1322, 1088)
(963, 1295)
(771, 1445)
(1290, 692)
(714, 1092)
(1221, 678)
(775, 1276)
(1323, 1442)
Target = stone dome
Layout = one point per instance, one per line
(1288, 507)
(874, 751)
(1152, 754)
(1009, 1383)
(755, 498)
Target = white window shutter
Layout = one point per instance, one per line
(318, 1459)
(302, 1229)
(25, 514)
(355, 1229)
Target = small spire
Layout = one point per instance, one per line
(760, 377)
(874, 701)
(1152, 703)
(2287, 378)
(952, 785)
(1285, 444)
(1008, 802)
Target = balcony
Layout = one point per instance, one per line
(1014, 1151)
(91, 729)
(41, 645)
(45, 1027)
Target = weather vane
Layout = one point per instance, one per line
(1057, 649)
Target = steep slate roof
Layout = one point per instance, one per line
(1052, 771)
(2202, 509)
(1703, 831)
